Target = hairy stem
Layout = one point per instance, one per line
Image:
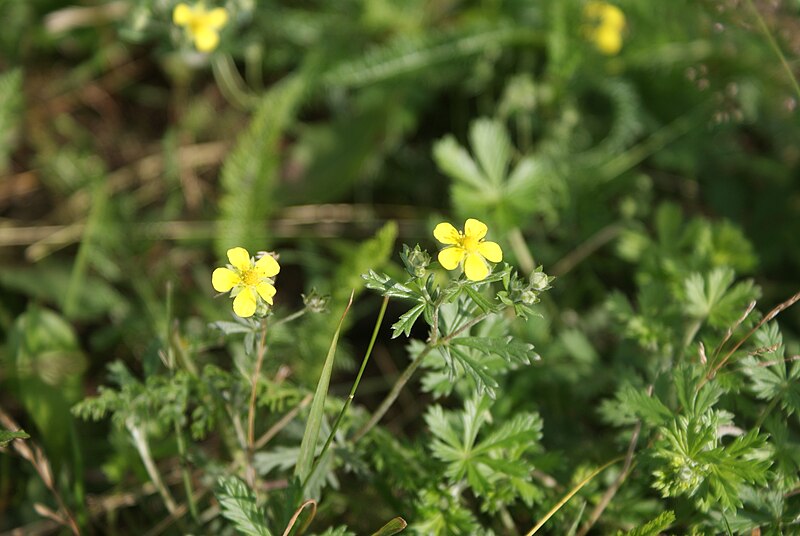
(251, 414)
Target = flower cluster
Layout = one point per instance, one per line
(247, 279)
(202, 25)
(467, 248)
(605, 24)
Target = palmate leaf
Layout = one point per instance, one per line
(238, 505)
(712, 297)
(770, 373)
(493, 466)
(694, 464)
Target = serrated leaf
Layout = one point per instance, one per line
(506, 347)
(480, 300)
(388, 286)
(654, 527)
(407, 320)
(249, 173)
(238, 505)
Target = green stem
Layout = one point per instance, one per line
(352, 394)
(187, 480)
(774, 45)
(290, 318)
(767, 410)
(251, 414)
(406, 375)
(230, 82)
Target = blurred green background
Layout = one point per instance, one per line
(129, 161)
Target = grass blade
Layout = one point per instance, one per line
(308, 445)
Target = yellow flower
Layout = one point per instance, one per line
(606, 23)
(247, 279)
(467, 247)
(201, 24)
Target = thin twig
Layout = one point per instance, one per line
(771, 315)
(281, 424)
(29, 450)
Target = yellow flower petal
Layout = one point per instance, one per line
(475, 267)
(223, 279)
(266, 291)
(608, 40)
(475, 228)
(491, 251)
(239, 257)
(205, 39)
(244, 304)
(182, 14)
(446, 234)
(267, 266)
(612, 17)
(216, 18)
(450, 257)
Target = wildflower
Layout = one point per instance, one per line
(247, 279)
(605, 25)
(468, 248)
(201, 24)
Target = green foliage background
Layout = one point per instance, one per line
(659, 185)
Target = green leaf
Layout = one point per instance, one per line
(7, 436)
(394, 526)
(11, 104)
(388, 286)
(494, 467)
(406, 56)
(505, 347)
(249, 174)
(456, 162)
(654, 527)
(480, 300)
(489, 139)
(369, 254)
(407, 321)
(238, 505)
(308, 445)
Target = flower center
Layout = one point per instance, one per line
(249, 278)
(470, 243)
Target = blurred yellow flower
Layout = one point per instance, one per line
(467, 247)
(201, 24)
(605, 24)
(247, 279)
